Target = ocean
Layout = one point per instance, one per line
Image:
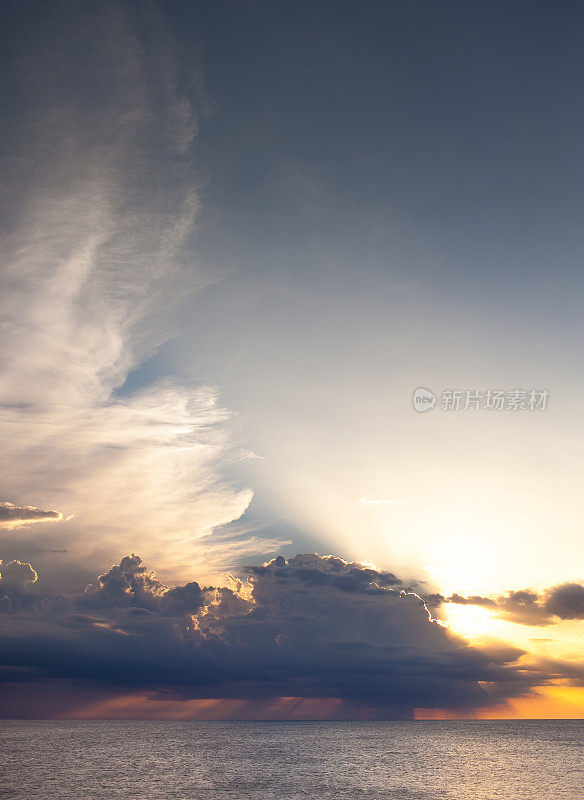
(425, 760)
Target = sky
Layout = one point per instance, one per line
(236, 237)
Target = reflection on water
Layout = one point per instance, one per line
(437, 760)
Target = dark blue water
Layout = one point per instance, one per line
(289, 760)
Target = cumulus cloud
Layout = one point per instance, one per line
(16, 575)
(100, 205)
(525, 607)
(130, 584)
(310, 627)
(12, 516)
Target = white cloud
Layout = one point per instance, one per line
(94, 256)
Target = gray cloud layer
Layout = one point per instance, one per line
(309, 627)
(12, 516)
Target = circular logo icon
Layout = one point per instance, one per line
(424, 400)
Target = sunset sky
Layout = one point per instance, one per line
(236, 237)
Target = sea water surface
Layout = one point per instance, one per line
(430, 760)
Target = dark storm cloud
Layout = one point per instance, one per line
(12, 516)
(525, 607)
(308, 627)
(308, 569)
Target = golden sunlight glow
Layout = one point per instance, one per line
(472, 622)
(547, 702)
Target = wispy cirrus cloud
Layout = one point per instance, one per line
(101, 203)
